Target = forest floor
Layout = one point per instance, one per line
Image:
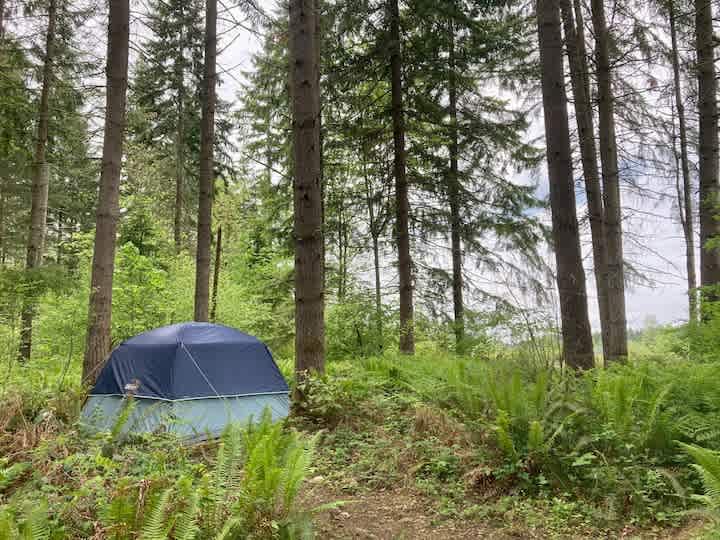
(406, 514)
(396, 470)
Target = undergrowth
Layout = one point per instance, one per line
(492, 440)
(603, 448)
(154, 487)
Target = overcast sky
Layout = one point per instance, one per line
(654, 245)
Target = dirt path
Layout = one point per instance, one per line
(381, 515)
(403, 514)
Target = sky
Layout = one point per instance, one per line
(654, 245)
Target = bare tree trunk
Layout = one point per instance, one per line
(60, 240)
(207, 139)
(454, 196)
(407, 337)
(575, 44)
(40, 188)
(2, 226)
(375, 236)
(685, 201)
(577, 337)
(308, 204)
(708, 147)
(179, 155)
(611, 189)
(378, 287)
(2, 19)
(100, 309)
(216, 274)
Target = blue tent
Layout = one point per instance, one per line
(189, 378)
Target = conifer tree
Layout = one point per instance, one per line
(576, 335)
(308, 229)
(98, 338)
(207, 166)
(166, 88)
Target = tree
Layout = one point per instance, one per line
(454, 195)
(580, 80)
(402, 205)
(617, 351)
(685, 194)
(207, 173)
(576, 334)
(40, 183)
(100, 309)
(216, 274)
(167, 83)
(308, 226)
(708, 144)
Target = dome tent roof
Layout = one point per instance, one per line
(190, 361)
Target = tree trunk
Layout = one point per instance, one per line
(40, 188)
(207, 138)
(378, 287)
(179, 154)
(454, 197)
(216, 274)
(100, 310)
(2, 226)
(708, 144)
(684, 201)
(611, 189)
(375, 235)
(308, 218)
(402, 205)
(2, 19)
(577, 337)
(575, 44)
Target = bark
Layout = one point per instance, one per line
(207, 138)
(402, 205)
(100, 309)
(2, 227)
(40, 188)
(216, 274)
(2, 19)
(454, 197)
(575, 45)
(708, 144)
(60, 220)
(179, 154)
(576, 334)
(375, 231)
(685, 195)
(308, 204)
(611, 189)
(378, 290)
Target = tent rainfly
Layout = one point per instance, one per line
(192, 379)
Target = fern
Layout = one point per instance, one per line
(536, 440)
(156, 526)
(37, 523)
(9, 474)
(8, 525)
(504, 436)
(186, 522)
(707, 463)
(119, 515)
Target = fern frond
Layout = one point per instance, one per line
(8, 525)
(707, 463)
(156, 526)
(37, 523)
(186, 523)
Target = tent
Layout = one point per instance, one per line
(191, 379)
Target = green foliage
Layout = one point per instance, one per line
(149, 489)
